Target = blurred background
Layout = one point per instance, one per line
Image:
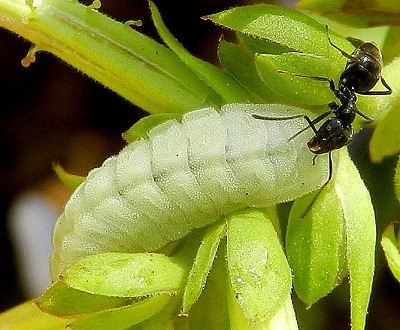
(51, 113)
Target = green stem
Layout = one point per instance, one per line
(133, 65)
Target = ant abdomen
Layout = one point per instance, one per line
(363, 69)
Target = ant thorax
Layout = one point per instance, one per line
(346, 112)
(345, 92)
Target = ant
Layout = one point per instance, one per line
(361, 74)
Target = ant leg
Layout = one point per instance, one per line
(331, 82)
(323, 186)
(311, 124)
(320, 117)
(347, 55)
(357, 43)
(388, 90)
(384, 83)
(275, 118)
(353, 41)
(330, 169)
(335, 107)
(367, 118)
(313, 159)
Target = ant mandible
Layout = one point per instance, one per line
(362, 72)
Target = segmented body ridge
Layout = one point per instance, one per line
(184, 176)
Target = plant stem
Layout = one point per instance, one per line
(133, 65)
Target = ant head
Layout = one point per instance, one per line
(333, 134)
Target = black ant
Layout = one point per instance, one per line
(362, 72)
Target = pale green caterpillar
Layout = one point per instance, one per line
(184, 176)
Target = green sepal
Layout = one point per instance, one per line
(315, 245)
(212, 301)
(62, 300)
(390, 245)
(202, 265)
(273, 23)
(72, 181)
(141, 128)
(347, 200)
(259, 274)
(284, 318)
(397, 180)
(373, 13)
(360, 230)
(123, 317)
(125, 274)
(261, 46)
(385, 141)
(28, 316)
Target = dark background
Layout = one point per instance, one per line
(44, 105)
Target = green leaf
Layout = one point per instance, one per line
(386, 138)
(202, 264)
(300, 90)
(258, 270)
(315, 245)
(72, 181)
(273, 23)
(60, 299)
(359, 217)
(143, 126)
(125, 274)
(391, 248)
(224, 85)
(123, 317)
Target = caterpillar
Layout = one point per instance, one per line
(186, 175)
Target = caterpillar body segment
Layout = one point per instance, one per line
(184, 176)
